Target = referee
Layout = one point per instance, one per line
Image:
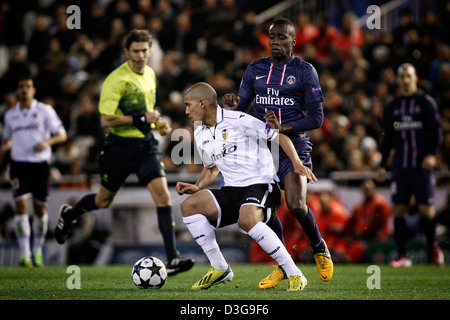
(126, 106)
(31, 128)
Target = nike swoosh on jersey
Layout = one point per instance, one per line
(259, 77)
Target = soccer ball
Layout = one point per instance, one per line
(149, 272)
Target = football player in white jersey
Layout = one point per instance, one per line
(31, 128)
(235, 144)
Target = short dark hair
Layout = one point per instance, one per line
(138, 35)
(25, 76)
(285, 22)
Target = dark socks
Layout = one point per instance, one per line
(166, 227)
(85, 204)
(277, 227)
(429, 229)
(401, 235)
(309, 225)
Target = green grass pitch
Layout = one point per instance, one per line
(350, 282)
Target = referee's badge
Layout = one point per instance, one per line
(225, 134)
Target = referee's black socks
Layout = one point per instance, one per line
(167, 230)
(85, 204)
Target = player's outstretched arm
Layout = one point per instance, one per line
(206, 178)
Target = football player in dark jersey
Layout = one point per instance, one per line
(412, 136)
(287, 94)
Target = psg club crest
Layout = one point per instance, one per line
(225, 134)
(291, 80)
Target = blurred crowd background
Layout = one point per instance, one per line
(214, 41)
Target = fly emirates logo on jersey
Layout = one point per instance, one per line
(407, 123)
(273, 99)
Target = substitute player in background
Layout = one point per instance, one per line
(235, 144)
(127, 108)
(31, 129)
(287, 94)
(412, 136)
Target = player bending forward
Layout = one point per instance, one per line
(234, 144)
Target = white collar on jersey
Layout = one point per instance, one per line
(219, 114)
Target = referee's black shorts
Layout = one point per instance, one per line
(122, 156)
(229, 201)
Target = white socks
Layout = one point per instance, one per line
(40, 227)
(269, 241)
(23, 233)
(202, 231)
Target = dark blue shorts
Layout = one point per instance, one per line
(417, 182)
(122, 156)
(304, 148)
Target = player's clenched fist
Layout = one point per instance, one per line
(230, 101)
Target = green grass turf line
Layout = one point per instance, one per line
(420, 282)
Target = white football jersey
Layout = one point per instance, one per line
(237, 146)
(27, 127)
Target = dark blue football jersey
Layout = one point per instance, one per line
(284, 88)
(412, 127)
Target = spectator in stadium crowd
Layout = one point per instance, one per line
(31, 129)
(350, 36)
(370, 220)
(285, 87)
(67, 158)
(412, 137)
(332, 219)
(305, 33)
(130, 146)
(325, 41)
